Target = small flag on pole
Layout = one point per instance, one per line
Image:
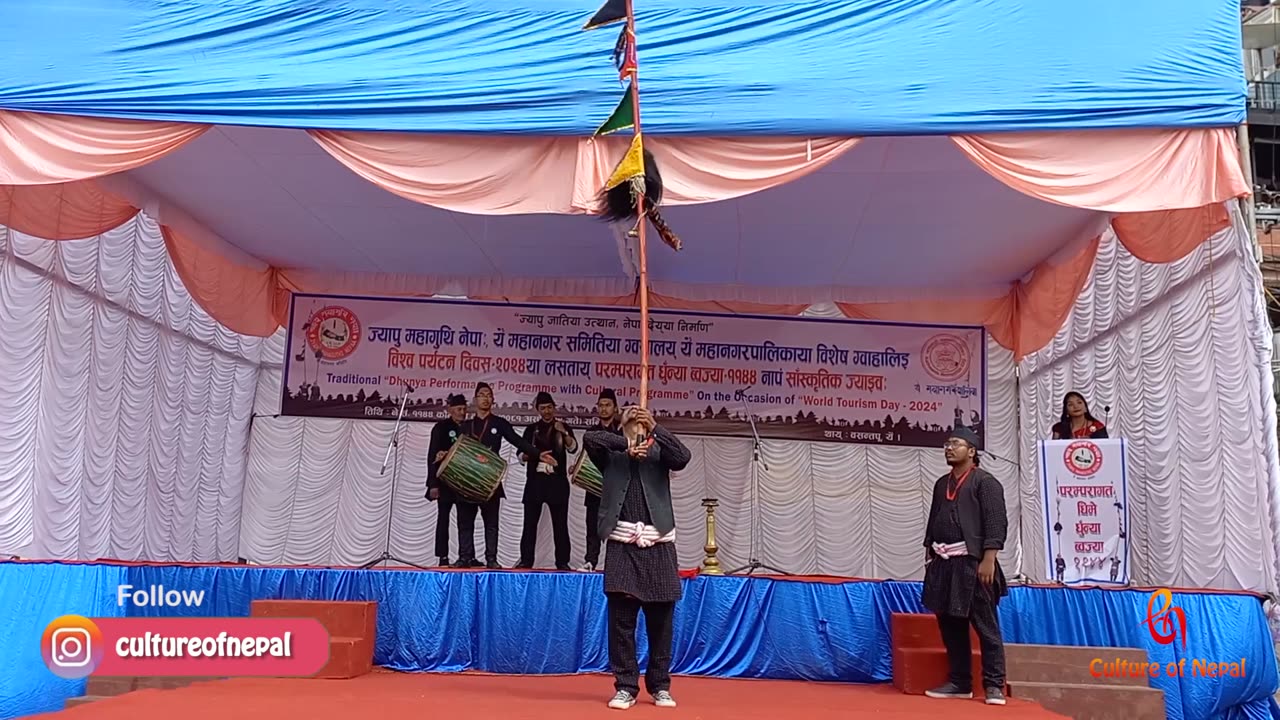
(611, 12)
(623, 117)
(624, 54)
(631, 167)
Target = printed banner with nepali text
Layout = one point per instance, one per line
(1086, 498)
(801, 378)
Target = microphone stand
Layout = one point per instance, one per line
(757, 464)
(393, 446)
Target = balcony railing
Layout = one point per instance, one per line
(1264, 95)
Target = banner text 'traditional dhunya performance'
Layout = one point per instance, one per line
(802, 378)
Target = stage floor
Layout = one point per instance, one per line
(413, 696)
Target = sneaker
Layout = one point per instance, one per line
(662, 698)
(995, 696)
(587, 567)
(623, 700)
(950, 691)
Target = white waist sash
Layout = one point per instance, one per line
(639, 534)
(950, 550)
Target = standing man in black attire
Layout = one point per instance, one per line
(640, 570)
(547, 484)
(443, 435)
(490, 430)
(607, 410)
(963, 582)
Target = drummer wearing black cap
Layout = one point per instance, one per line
(963, 582)
(547, 484)
(607, 411)
(489, 430)
(443, 435)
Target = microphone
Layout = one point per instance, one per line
(737, 394)
(994, 456)
(1106, 410)
(408, 388)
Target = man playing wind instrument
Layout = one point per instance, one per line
(641, 571)
(547, 484)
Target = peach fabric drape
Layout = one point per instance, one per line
(1116, 171)
(1165, 189)
(65, 211)
(38, 149)
(506, 175)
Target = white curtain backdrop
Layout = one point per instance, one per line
(126, 432)
(124, 408)
(314, 496)
(1182, 354)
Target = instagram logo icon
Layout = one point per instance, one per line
(72, 647)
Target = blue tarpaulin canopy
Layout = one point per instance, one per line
(711, 67)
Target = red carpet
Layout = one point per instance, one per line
(391, 696)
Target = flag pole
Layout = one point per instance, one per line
(642, 250)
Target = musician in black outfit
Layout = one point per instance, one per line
(640, 570)
(963, 582)
(607, 410)
(546, 484)
(490, 430)
(443, 435)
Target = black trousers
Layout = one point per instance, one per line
(658, 618)
(444, 505)
(467, 529)
(593, 533)
(559, 531)
(955, 637)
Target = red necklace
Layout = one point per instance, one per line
(951, 493)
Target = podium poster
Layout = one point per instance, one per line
(1085, 489)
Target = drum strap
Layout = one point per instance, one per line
(640, 535)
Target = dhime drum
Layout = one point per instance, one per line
(472, 470)
(587, 476)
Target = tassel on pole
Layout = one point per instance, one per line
(618, 203)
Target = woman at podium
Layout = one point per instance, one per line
(1077, 422)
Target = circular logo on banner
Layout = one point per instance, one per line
(1082, 458)
(334, 332)
(946, 357)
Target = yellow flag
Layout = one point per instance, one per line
(632, 164)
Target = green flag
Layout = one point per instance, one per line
(611, 12)
(623, 117)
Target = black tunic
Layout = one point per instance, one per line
(650, 575)
(949, 584)
(491, 431)
(550, 488)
